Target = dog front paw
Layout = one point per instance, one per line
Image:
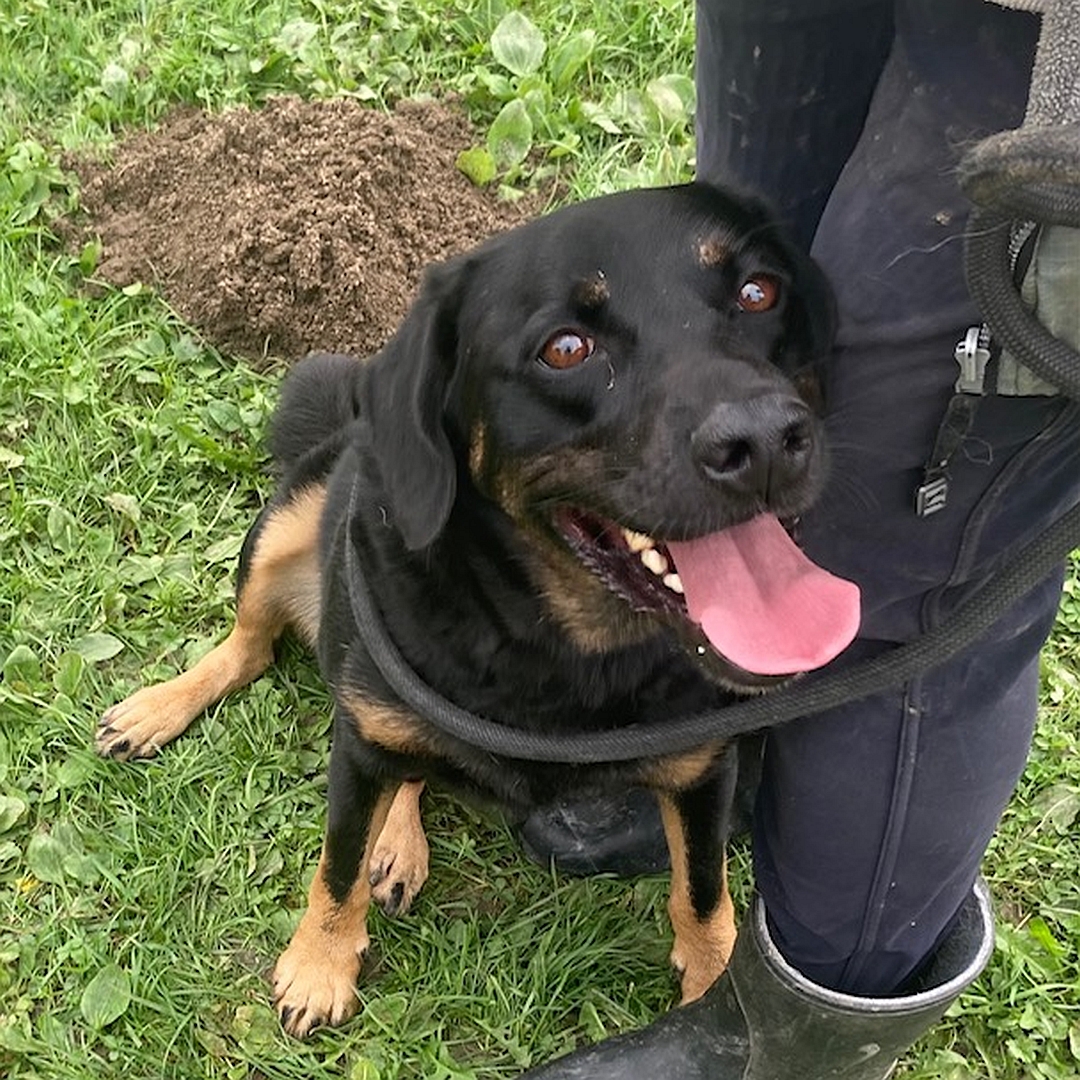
(315, 981)
(399, 868)
(140, 725)
(699, 963)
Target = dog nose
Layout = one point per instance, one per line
(756, 447)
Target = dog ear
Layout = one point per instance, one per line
(405, 397)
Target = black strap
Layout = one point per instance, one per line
(809, 694)
(932, 494)
(976, 355)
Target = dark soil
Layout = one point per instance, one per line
(298, 226)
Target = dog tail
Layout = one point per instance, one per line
(318, 400)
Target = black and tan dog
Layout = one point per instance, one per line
(567, 473)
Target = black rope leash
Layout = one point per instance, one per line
(1032, 174)
(1026, 175)
(972, 617)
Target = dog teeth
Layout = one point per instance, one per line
(674, 583)
(655, 562)
(637, 542)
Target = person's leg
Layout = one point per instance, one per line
(782, 92)
(873, 819)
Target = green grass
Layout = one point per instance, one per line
(142, 905)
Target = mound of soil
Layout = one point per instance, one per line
(298, 226)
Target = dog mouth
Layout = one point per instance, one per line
(634, 566)
(759, 603)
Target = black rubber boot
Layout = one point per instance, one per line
(623, 834)
(610, 834)
(762, 1020)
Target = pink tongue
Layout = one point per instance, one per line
(761, 602)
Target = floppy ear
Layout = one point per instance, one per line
(404, 398)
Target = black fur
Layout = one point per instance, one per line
(455, 572)
(318, 400)
(467, 453)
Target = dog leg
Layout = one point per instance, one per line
(280, 586)
(399, 861)
(143, 723)
(315, 977)
(702, 914)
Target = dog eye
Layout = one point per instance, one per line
(566, 349)
(758, 293)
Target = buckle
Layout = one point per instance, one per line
(931, 496)
(973, 354)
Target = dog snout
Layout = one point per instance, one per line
(759, 447)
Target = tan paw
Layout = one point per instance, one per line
(399, 868)
(315, 985)
(700, 965)
(140, 725)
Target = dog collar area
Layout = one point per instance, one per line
(827, 688)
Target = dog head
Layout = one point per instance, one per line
(626, 380)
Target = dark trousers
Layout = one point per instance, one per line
(850, 117)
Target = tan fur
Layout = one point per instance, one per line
(399, 861)
(683, 771)
(286, 560)
(392, 727)
(282, 589)
(714, 249)
(702, 946)
(591, 615)
(478, 450)
(591, 293)
(585, 615)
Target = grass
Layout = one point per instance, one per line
(142, 905)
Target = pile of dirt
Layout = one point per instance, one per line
(297, 226)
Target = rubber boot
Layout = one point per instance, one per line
(622, 834)
(762, 1020)
(610, 834)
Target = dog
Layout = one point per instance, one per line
(567, 482)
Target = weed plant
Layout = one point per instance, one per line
(142, 905)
